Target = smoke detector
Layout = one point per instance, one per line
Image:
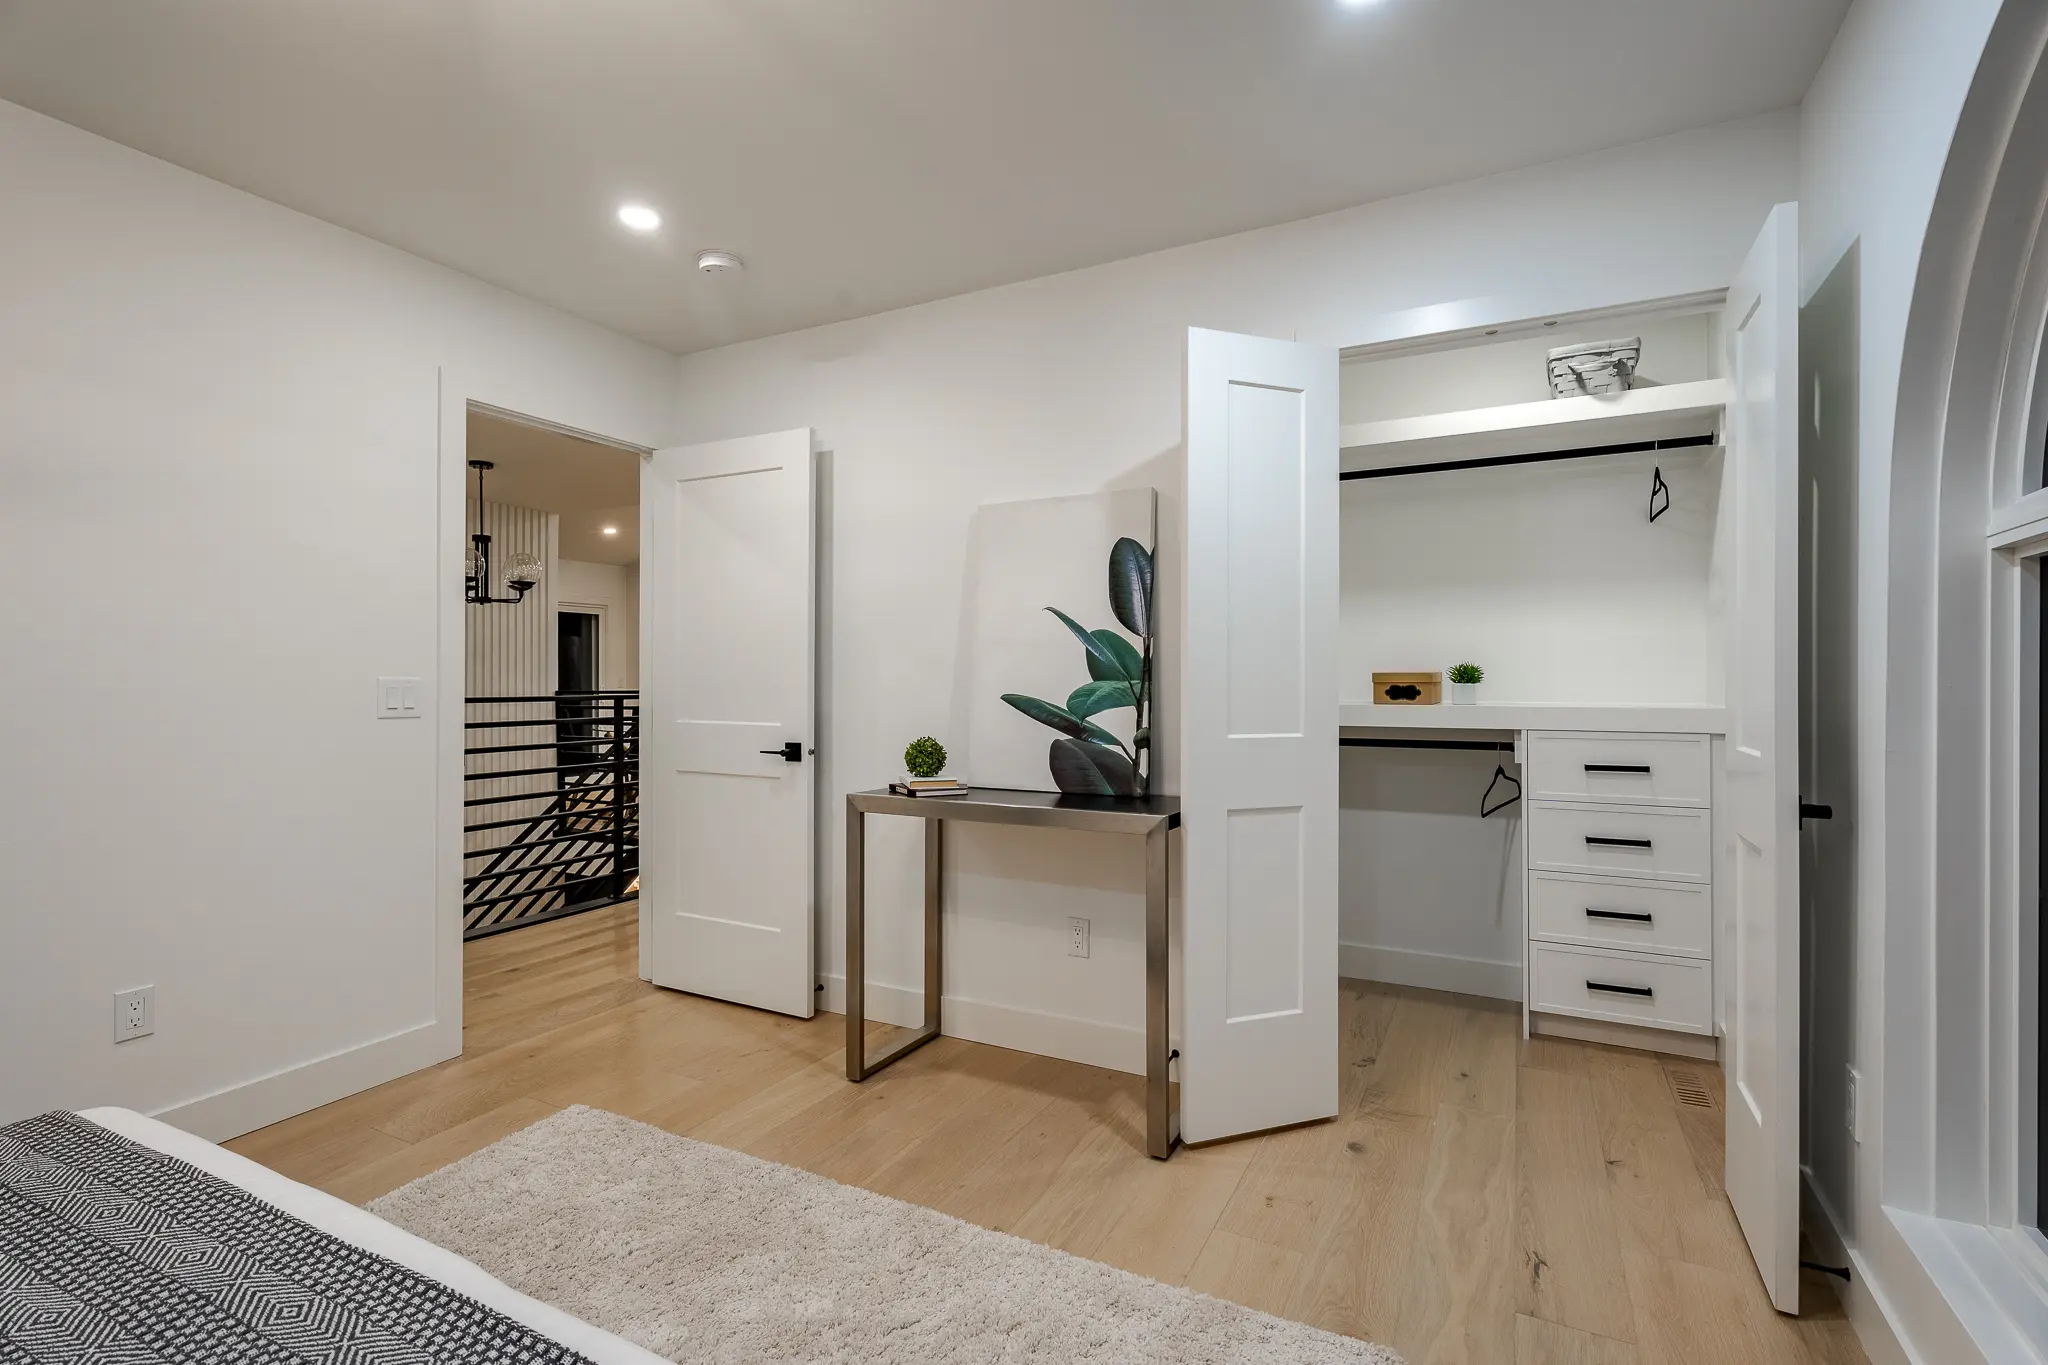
(718, 262)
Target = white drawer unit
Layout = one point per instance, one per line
(1629, 988)
(1650, 770)
(1675, 919)
(1620, 844)
(1665, 843)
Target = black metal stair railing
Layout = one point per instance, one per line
(544, 839)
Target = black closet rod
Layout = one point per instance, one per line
(1359, 742)
(1489, 461)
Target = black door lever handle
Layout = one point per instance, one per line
(792, 752)
(1810, 810)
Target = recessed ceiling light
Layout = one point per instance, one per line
(611, 530)
(1358, 4)
(714, 262)
(639, 217)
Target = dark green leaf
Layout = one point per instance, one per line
(1090, 770)
(1045, 713)
(1097, 735)
(1092, 698)
(1115, 659)
(1143, 739)
(1130, 585)
(1096, 653)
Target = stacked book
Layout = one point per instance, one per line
(928, 786)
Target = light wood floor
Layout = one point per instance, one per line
(1481, 1199)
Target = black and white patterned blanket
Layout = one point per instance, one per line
(111, 1252)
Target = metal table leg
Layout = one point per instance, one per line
(860, 1066)
(1160, 1134)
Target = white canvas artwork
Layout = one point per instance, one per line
(1023, 557)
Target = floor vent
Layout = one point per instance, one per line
(1691, 1090)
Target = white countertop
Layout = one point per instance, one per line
(1494, 715)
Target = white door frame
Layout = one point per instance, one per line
(461, 392)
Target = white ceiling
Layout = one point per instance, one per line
(867, 155)
(591, 486)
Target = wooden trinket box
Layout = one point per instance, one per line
(1408, 689)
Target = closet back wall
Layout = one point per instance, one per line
(1073, 383)
(1429, 894)
(1549, 576)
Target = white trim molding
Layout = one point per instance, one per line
(1430, 971)
(1962, 742)
(1091, 1042)
(1994, 1279)
(270, 1099)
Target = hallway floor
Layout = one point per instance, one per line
(1481, 1198)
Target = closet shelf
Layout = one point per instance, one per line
(1646, 719)
(1651, 414)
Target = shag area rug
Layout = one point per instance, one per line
(704, 1254)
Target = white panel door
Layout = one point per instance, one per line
(1762, 754)
(727, 719)
(1259, 737)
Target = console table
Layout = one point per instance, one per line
(1150, 817)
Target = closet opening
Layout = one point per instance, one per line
(1573, 550)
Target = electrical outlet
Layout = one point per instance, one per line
(1077, 938)
(134, 1013)
(1854, 1104)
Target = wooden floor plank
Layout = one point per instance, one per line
(1460, 1304)
(361, 1184)
(1545, 1343)
(1247, 1271)
(1571, 1265)
(1358, 1269)
(1480, 1198)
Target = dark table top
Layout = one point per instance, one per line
(1004, 806)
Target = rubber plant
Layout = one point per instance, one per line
(1087, 760)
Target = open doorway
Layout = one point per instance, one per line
(551, 717)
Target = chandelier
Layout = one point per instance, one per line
(522, 570)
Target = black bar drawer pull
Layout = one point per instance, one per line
(1607, 841)
(1643, 992)
(1643, 769)
(1632, 916)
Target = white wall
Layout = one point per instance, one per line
(616, 588)
(1073, 383)
(1429, 894)
(1875, 132)
(227, 415)
(1551, 577)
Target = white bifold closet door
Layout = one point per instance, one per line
(1761, 1057)
(727, 719)
(1259, 737)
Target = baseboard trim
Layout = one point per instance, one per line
(269, 1099)
(1087, 1041)
(1869, 1313)
(1431, 971)
(1697, 1047)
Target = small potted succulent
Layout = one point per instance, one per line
(1465, 680)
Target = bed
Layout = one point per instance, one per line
(123, 1239)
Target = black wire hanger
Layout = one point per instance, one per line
(1659, 488)
(1500, 775)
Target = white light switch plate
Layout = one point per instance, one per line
(398, 699)
(134, 1013)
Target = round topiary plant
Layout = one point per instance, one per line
(925, 757)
